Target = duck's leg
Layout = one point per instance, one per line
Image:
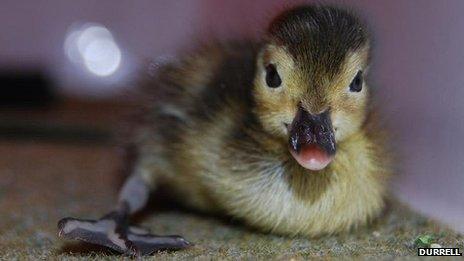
(113, 229)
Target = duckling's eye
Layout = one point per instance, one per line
(356, 84)
(272, 76)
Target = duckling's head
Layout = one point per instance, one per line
(309, 87)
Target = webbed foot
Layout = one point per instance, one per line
(113, 231)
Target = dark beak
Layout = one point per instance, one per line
(308, 129)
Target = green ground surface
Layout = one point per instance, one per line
(79, 181)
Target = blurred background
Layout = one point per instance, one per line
(67, 69)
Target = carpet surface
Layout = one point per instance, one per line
(42, 182)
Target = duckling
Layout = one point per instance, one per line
(277, 133)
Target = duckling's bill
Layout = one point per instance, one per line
(312, 139)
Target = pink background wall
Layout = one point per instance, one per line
(418, 68)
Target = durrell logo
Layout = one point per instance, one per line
(439, 252)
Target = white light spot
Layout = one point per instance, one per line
(102, 57)
(69, 43)
(94, 47)
(91, 33)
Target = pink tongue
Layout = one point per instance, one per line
(312, 157)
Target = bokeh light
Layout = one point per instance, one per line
(94, 47)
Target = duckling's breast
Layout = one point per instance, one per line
(286, 201)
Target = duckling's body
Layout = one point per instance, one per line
(276, 133)
(204, 142)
